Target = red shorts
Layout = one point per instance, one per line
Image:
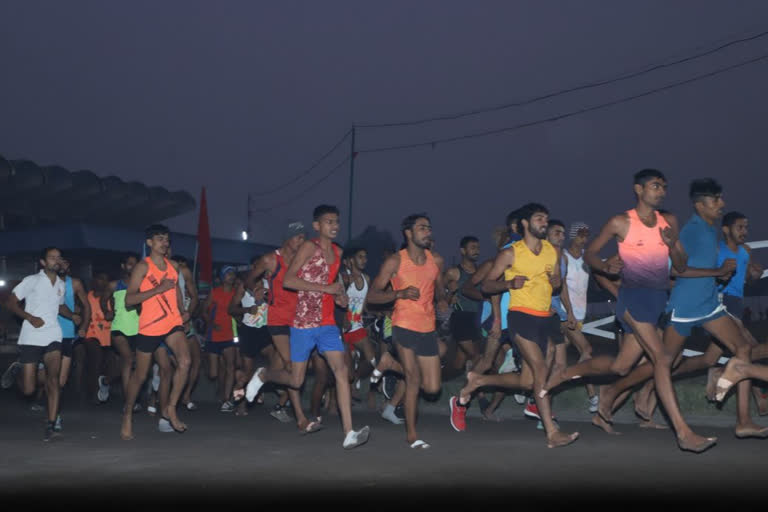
(355, 336)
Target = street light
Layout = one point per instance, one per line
(2, 283)
(244, 234)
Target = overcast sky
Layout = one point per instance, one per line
(242, 96)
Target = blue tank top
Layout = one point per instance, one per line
(557, 304)
(67, 325)
(487, 309)
(735, 286)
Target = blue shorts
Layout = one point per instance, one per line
(326, 338)
(645, 305)
(685, 326)
(217, 347)
(557, 305)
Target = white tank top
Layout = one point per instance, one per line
(260, 318)
(577, 279)
(185, 299)
(356, 302)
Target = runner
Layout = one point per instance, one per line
(531, 269)
(416, 277)
(357, 284)
(281, 310)
(125, 324)
(154, 285)
(97, 340)
(40, 336)
(221, 346)
(465, 318)
(313, 273)
(190, 300)
(647, 241)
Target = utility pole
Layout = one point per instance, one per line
(351, 184)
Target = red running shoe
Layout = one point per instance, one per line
(458, 415)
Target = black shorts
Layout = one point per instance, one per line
(32, 354)
(537, 329)
(557, 330)
(68, 346)
(217, 347)
(422, 343)
(465, 326)
(131, 340)
(279, 330)
(253, 340)
(148, 344)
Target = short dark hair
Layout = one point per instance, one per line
(646, 175)
(731, 217)
(528, 211)
(409, 222)
(44, 252)
(322, 210)
(178, 258)
(351, 252)
(512, 217)
(554, 222)
(156, 229)
(128, 255)
(704, 187)
(465, 241)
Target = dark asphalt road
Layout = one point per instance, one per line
(224, 457)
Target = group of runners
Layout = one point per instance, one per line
(505, 323)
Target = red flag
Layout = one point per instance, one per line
(204, 252)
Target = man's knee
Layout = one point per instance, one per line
(431, 388)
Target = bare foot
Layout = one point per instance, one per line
(641, 410)
(696, 443)
(604, 409)
(733, 373)
(605, 426)
(558, 439)
(556, 378)
(465, 395)
(490, 415)
(751, 430)
(126, 430)
(176, 423)
(650, 424)
(713, 374)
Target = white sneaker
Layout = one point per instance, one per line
(389, 414)
(163, 425)
(254, 385)
(354, 439)
(103, 393)
(594, 402)
(508, 366)
(520, 399)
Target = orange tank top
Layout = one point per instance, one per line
(159, 314)
(100, 327)
(415, 315)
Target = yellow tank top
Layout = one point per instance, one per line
(535, 296)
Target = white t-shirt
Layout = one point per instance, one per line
(577, 279)
(42, 300)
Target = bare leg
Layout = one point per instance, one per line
(178, 344)
(194, 368)
(126, 360)
(143, 361)
(52, 362)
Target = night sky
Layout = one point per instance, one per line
(242, 96)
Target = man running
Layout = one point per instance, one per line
(97, 341)
(40, 337)
(154, 285)
(417, 284)
(221, 346)
(647, 241)
(465, 319)
(190, 300)
(357, 283)
(125, 324)
(313, 273)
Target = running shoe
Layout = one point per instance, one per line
(227, 407)
(458, 415)
(388, 386)
(36, 407)
(50, 432)
(389, 414)
(57, 425)
(520, 399)
(103, 393)
(164, 425)
(9, 376)
(594, 402)
(155, 377)
(254, 386)
(531, 411)
(353, 439)
(280, 414)
(509, 365)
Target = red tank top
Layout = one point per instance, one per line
(100, 327)
(159, 314)
(282, 302)
(315, 309)
(222, 321)
(415, 315)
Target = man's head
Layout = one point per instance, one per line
(578, 234)
(470, 247)
(650, 187)
(158, 238)
(533, 219)
(707, 197)
(294, 235)
(417, 229)
(181, 260)
(50, 259)
(228, 275)
(500, 236)
(64, 267)
(556, 232)
(100, 282)
(128, 262)
(735, 227)
(357, 258)
(512, 219)
(325, 220)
